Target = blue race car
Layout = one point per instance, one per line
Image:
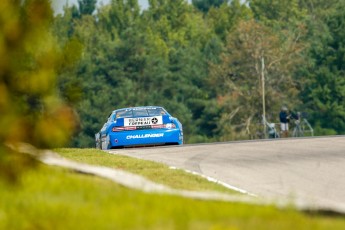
(139, 126)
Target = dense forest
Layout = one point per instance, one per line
(212, 64)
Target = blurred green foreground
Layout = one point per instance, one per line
(54, 198)
(31, 110)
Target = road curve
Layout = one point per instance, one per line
(308, 172)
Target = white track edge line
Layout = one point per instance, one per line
(217, 181)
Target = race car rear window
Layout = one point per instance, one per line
(140, 113)
(124, 113)
(144, 112)
(156, 112)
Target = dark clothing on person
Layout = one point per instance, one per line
(284, 117)
(295, 116)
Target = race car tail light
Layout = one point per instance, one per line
(164, 126)
(170, 126)
(123, 128)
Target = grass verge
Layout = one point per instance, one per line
(55, 198)
(153, 171)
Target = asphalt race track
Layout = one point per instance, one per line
(306, 172)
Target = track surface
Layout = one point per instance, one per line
(308, 172)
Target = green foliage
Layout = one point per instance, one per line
(30, 106)
(253, 54)
(205, 5)
(204, 67)
(278, 14)
(324, 89)
(87, 6)
(226, 18)
(128, 62)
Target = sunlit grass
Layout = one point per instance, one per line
(54, 198)
(156, 172)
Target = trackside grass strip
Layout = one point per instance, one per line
(153, 171)
(56, 198)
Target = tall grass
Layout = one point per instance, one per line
(54, 198)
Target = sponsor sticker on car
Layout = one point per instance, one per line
(143, 121)
(143, 136)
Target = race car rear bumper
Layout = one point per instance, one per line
(145, 137)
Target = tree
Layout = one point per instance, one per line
(30, 107)
(284, 14)
(131, 59)
(205, 5)
(225, 18)
(87, 7)
(323, 92)
(252, 51)
(122, 14)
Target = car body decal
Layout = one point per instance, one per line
(143, 121)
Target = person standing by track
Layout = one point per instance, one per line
(284, 118)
